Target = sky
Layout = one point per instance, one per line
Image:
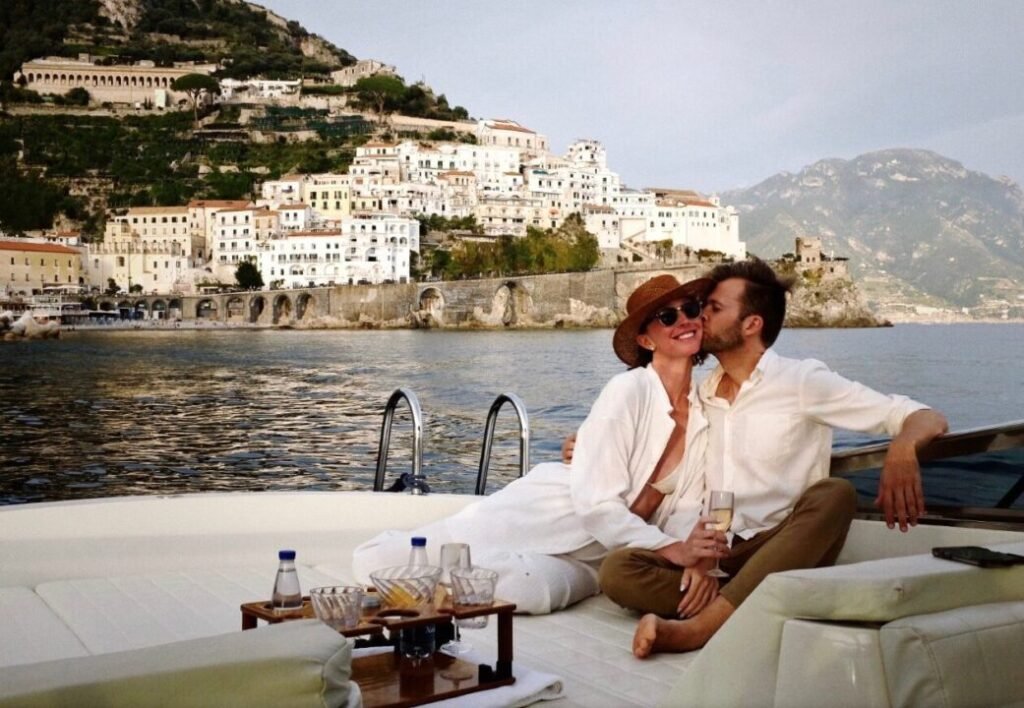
(712, 95)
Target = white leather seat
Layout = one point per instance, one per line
(32, 631)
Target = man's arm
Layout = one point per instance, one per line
(900, 494)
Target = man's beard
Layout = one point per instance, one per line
(726, 340)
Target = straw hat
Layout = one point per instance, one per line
(647, 299)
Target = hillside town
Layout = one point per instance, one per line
(357, 227)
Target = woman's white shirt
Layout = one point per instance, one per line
(617, 449)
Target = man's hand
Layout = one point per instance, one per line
(704, 542)
(567, 448)
(698, 589)
(900, 494)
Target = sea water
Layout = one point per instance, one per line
(154, 412)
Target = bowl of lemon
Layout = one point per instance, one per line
(406, 587)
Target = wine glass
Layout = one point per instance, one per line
(720, 509)
(454, 555)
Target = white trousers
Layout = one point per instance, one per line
(535, 582)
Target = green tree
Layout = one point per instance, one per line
(248, 277)
(136, 288)
(112, 287)
(77, 96)
(440, 259)
(381, 92)
(195, 86)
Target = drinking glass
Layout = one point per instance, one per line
(473, 587)
(338, 607)
(454, 555)
(720, 505)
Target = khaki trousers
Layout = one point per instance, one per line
(810, 537)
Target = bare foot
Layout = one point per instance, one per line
(645, 636)
(655, 634)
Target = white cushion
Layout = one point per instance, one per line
(964, 657)
(838, 660)
(296, 664)
(31, 630)
(130, 612)
(873, 591)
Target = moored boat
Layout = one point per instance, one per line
(83, 579)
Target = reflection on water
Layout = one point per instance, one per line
(104, 413)
(954, 481)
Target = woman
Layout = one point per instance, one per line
(636, 477)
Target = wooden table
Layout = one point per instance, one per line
(390, 679)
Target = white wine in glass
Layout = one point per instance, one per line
(720, 504)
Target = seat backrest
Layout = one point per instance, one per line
(969, 656)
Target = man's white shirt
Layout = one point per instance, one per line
(775, 439)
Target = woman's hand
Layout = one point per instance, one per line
(568, 446)
(704, 542)
(698, 589)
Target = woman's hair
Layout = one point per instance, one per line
(764, 293)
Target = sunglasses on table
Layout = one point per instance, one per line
(668, 316)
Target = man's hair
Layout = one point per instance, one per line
(764, 293)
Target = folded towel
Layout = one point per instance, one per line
(531, 686)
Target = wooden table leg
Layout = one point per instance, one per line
(504, 667)
(248, 621)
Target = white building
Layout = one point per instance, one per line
(238, 234)
(156, 248)
(362, 69)
(459, 193)
(425, 162)
(378, 161)
(280, 191)
(401, 199)
(698, 223)
(373, 248)
(294, 217)
(259, 90)
(508, 214)
(604, 223)
(155, 265)
(201, 220)
(508, 133)
(141, 83)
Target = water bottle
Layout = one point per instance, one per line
(418, 552)
(417, 643)
(287, 595)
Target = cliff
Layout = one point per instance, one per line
(828, 303)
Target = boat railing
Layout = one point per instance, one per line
(488, 444)
(996, 447)
(414, 483)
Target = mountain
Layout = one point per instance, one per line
(916, 225)
(250, 40)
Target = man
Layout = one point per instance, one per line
(770, 443)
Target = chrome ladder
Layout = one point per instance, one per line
(416, 482)
(524, 438)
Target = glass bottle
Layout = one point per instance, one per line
(418, 551)
(418, 643)
(287, 594)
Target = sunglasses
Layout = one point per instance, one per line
(668, 316)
